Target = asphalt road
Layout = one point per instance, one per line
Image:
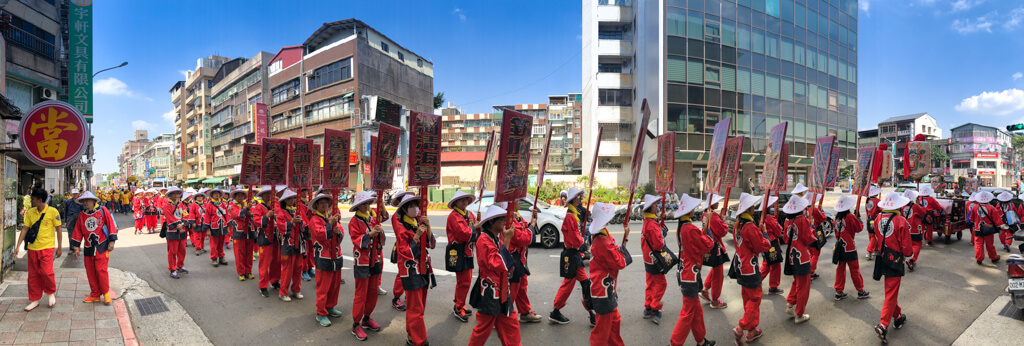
(946, 293)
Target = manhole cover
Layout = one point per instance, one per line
(1012, 312)
(150, 306)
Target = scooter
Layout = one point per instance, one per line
(1015, 273)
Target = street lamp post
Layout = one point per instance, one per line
(89, 152)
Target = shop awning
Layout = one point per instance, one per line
(193, 181)
(213, 180)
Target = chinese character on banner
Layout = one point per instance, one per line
(638, 151)
(819, 171)
(833, 169)
(53, 134)
(489, 154)
(252, 165)
(384, 163)
(782, 177)
(275, 161)
(918, 160)
(776, 138)
(316, 169)
(259, 121)
(718, 139)
(300, 158)
(731, 161)
(513, 156)
(665, 176)
(862, 177)
(425, 148)
(337, 151)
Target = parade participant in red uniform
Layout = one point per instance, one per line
(215, 221)
(197, 215)
(327, 236)
(175, 215)
(491, 294)
(571, 262)
(94, 236)
(800, 238)
(894, 232)
(265, 225)
(150, 210)
(396, 302)
(518, 283)
(914, 214)
(817, 217)
(242, 233)
(414, 240)
(1010, 218)
(291, 221)
(871, 208)
(989, 222)
(972, 213)
(750, 242)
(308, 272)
(368, 253)
(652, 240)
(139, 210)
(186, 200)
(932, 211)
(459, 252)
(608, 260)
(693, 244)
(717, 257)
(771, 268)
(845, 252)
(160, 200)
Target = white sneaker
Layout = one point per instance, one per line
(381, 291)
(32, 305)
(53, 299)
(803, 318)
(790, 310)
(285, 298)
(298, 295)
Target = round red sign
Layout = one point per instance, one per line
(53, 134)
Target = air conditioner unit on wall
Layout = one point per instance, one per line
(48, 94)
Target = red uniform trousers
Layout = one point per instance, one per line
(270, 265)
(307, 262)
(507, 327)
(565, 289)
(713, 283)
(691, 317)
(96, 271)
(891, 307)
(751, 308)
(799, 292)
(916, 245)
(243, 255)
(928, 230)
(40, 274)
(463, 280)
(984, 243)
(397, 288)
(415, 301)
(175, 254)
(364, 298)
(655, 289)
(150, 223)
(140, 223)
(773, 272)
(858, 280)
(291, 274)
(815, 253)
(327, 285)
(1006, 236)
(872, 243)
(606, 331)
(217, 246)
(198, 239)
(518, 295)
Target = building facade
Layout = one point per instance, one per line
(193, 106)
(129, 150)
(903, 129)
(983, 149)
(237, 87)
(153, 164)
(867, 138)
(698, 62)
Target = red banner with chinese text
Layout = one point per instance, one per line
(386, 150)
(337, 150)
(252, 165)
(776, 138)
(425, 149)
(721, 134)
(731, 162)
(300, 158)
(665, 177)
(862, 175)
(316, 169)
(259, 121)
(782, 177)
(822, 156)
(275, 161)
(514, 156)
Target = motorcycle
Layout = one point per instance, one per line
(1015, 274)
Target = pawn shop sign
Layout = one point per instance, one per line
(53, 134)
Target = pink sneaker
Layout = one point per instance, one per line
(368, 323)
(359, 333)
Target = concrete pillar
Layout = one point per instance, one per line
(685, 183)
(747, 171)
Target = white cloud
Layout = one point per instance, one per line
(142, 125)
(1018, 76)
(963, 5)
(967, 26)
(184, 73)
(169, 117)
(994, 103)
(1016, 18)
(865, 5)
(114, 86)
(458, 12)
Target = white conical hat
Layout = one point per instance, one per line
(493, 212)
(845, 203)
(459, 195)
(910, 194)
(187, 195)
(874, 190)
(892, 201)
(771, 202)
(747, 201)
(87, 195)
(715, 198)
(927, 191)
(362, 197)
(239, 191)
(603, 214)
(152, 190)
(312, 202)
(74, 191)
(408, 198)
(650, 201)
(171, 190)
(686, 205)
(263, 190)
(192, 190)
(984, 197)
(973, 197)
(799, 188)
(795, 205)
(139, 191)
(288, 193)
(397, 198)
(573, 193)
(1005, 196)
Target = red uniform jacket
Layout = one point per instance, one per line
(651, 240)
(972, 214)
(367, 251)
(801, 237)
(520, 246)
(896, 235)
(413, 258)
(138, 206)
(326, 244)
(914, 214)
(749, 244)
(263, 226)
(988, 216)
(847, 228)
(774, 229)
(693, 244)
(460, 230)
(215, 217)
(492, 285)
(815, 214)
(149, 206)
(239, 221)
(291, 236)
(174, 215)
(718, 229)
(89, 234)
(607, 260)
(871, 207)
(571, 237)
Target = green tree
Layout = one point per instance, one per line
(939, 158)
(1018, 144)
(439, 100)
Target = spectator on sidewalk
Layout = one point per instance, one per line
(94, 237)
(71, 210)
(45, 220)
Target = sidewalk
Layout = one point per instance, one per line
(1001, 323)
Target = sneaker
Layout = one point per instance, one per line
(312, 273)
(719, 304)
(869, 256)
(223, 261)
(174, 274)
(1006, 247)
(324, 321)
(911, 264)
(214, 263)
(199, 252)
(754, 335)
(298, 295)
(647, 314)
(863, 294)
(32, 305)
(790, 310)
(250, 276)
(803, 318)
(775, 290)
(359, 333)
(91, 299)
(738, 333)
(106, 298)
(333, 312)
(228, 246)
(979, 262)
(657, 317)
(241, 277)
(704, 295)
(930, 244)
(460, 313)
(284, 297)
(593, 319)
(557, 317)
(276, 285)
(305, 276)
(840, 295)
(264, 293)
(182, 271)
(881, 331)
(368, 323)
(708, 343)
(342, 281)
(398, 304)
(900, 321)
(815, 276)
(995, 260)
(381, 291)
(531, 317)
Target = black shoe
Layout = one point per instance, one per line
(183, 270)
(276, 285)
(709, 342)
(398, 304)
(647, 314)
(593, 319)
(815, 276)
(881, 331)
(840, 295)
(775, 290)
(979, 262)
(460, 314)
(174, 274)
(911, 264)
(214, 263)
(557, 317)
(223, 261)
(900, 321)
(996, 260)
(264, 293)
(657, 317)
(930, 244)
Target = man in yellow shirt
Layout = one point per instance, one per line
(41, 250)
(126, 202)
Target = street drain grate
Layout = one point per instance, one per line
(151, 306)
(1012, 311)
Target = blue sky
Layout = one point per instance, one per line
(959, 60)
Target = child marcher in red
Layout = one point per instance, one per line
(139, 210)
(368, 253)
(151, 212)
(459, 252)
(817, 218)
(932, 211)
(242, 233)
(414, 239)
(798, 257)
(520, 245)
(608, 260)
(175, 215)
(652, 240)
(490, 294)
(197, 218)
(871, 208)
(215, 220)
(291, 221)
(750, 241)
(718, 256)
(693, 244)
(771, 268)
(893, 230)
(914, 214)
(327, 236)
(571, 267)
(1010, 218)
(265, 226)
(845, 252)
(396, 302)
(94, 236)
(989, 222)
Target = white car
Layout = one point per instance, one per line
(549, 218)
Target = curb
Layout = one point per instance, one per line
(125, 323)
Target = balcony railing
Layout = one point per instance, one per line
(227, 160)
(23, 39)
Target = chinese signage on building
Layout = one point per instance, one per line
(259, 121)
(53, 134)
(80, 56)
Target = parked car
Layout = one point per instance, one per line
(906, 186)
(549, 218)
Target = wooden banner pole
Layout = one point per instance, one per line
(764, 207)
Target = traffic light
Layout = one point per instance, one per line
(1015, 127)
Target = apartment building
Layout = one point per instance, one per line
(153, 164)
(237, 87)
(983, 150)
(130, 149)
(193, 106)
(902, 129)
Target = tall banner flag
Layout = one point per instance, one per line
(80, 88)
(425, 145)
(543, 163)
(862, 175)
(300, 159)
(819, 171)
(782, 177)
(773, 155)
(337, 149)
(731, 161)
(259, 121)
(275, 161)
(489, 155)
(252, 165)
(917, 161)
(721, 134)
(386, 150)
(833, 169)
(665, 178)
(638, 150)
(514, 156)
(316, 169)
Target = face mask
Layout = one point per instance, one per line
(414, 211)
